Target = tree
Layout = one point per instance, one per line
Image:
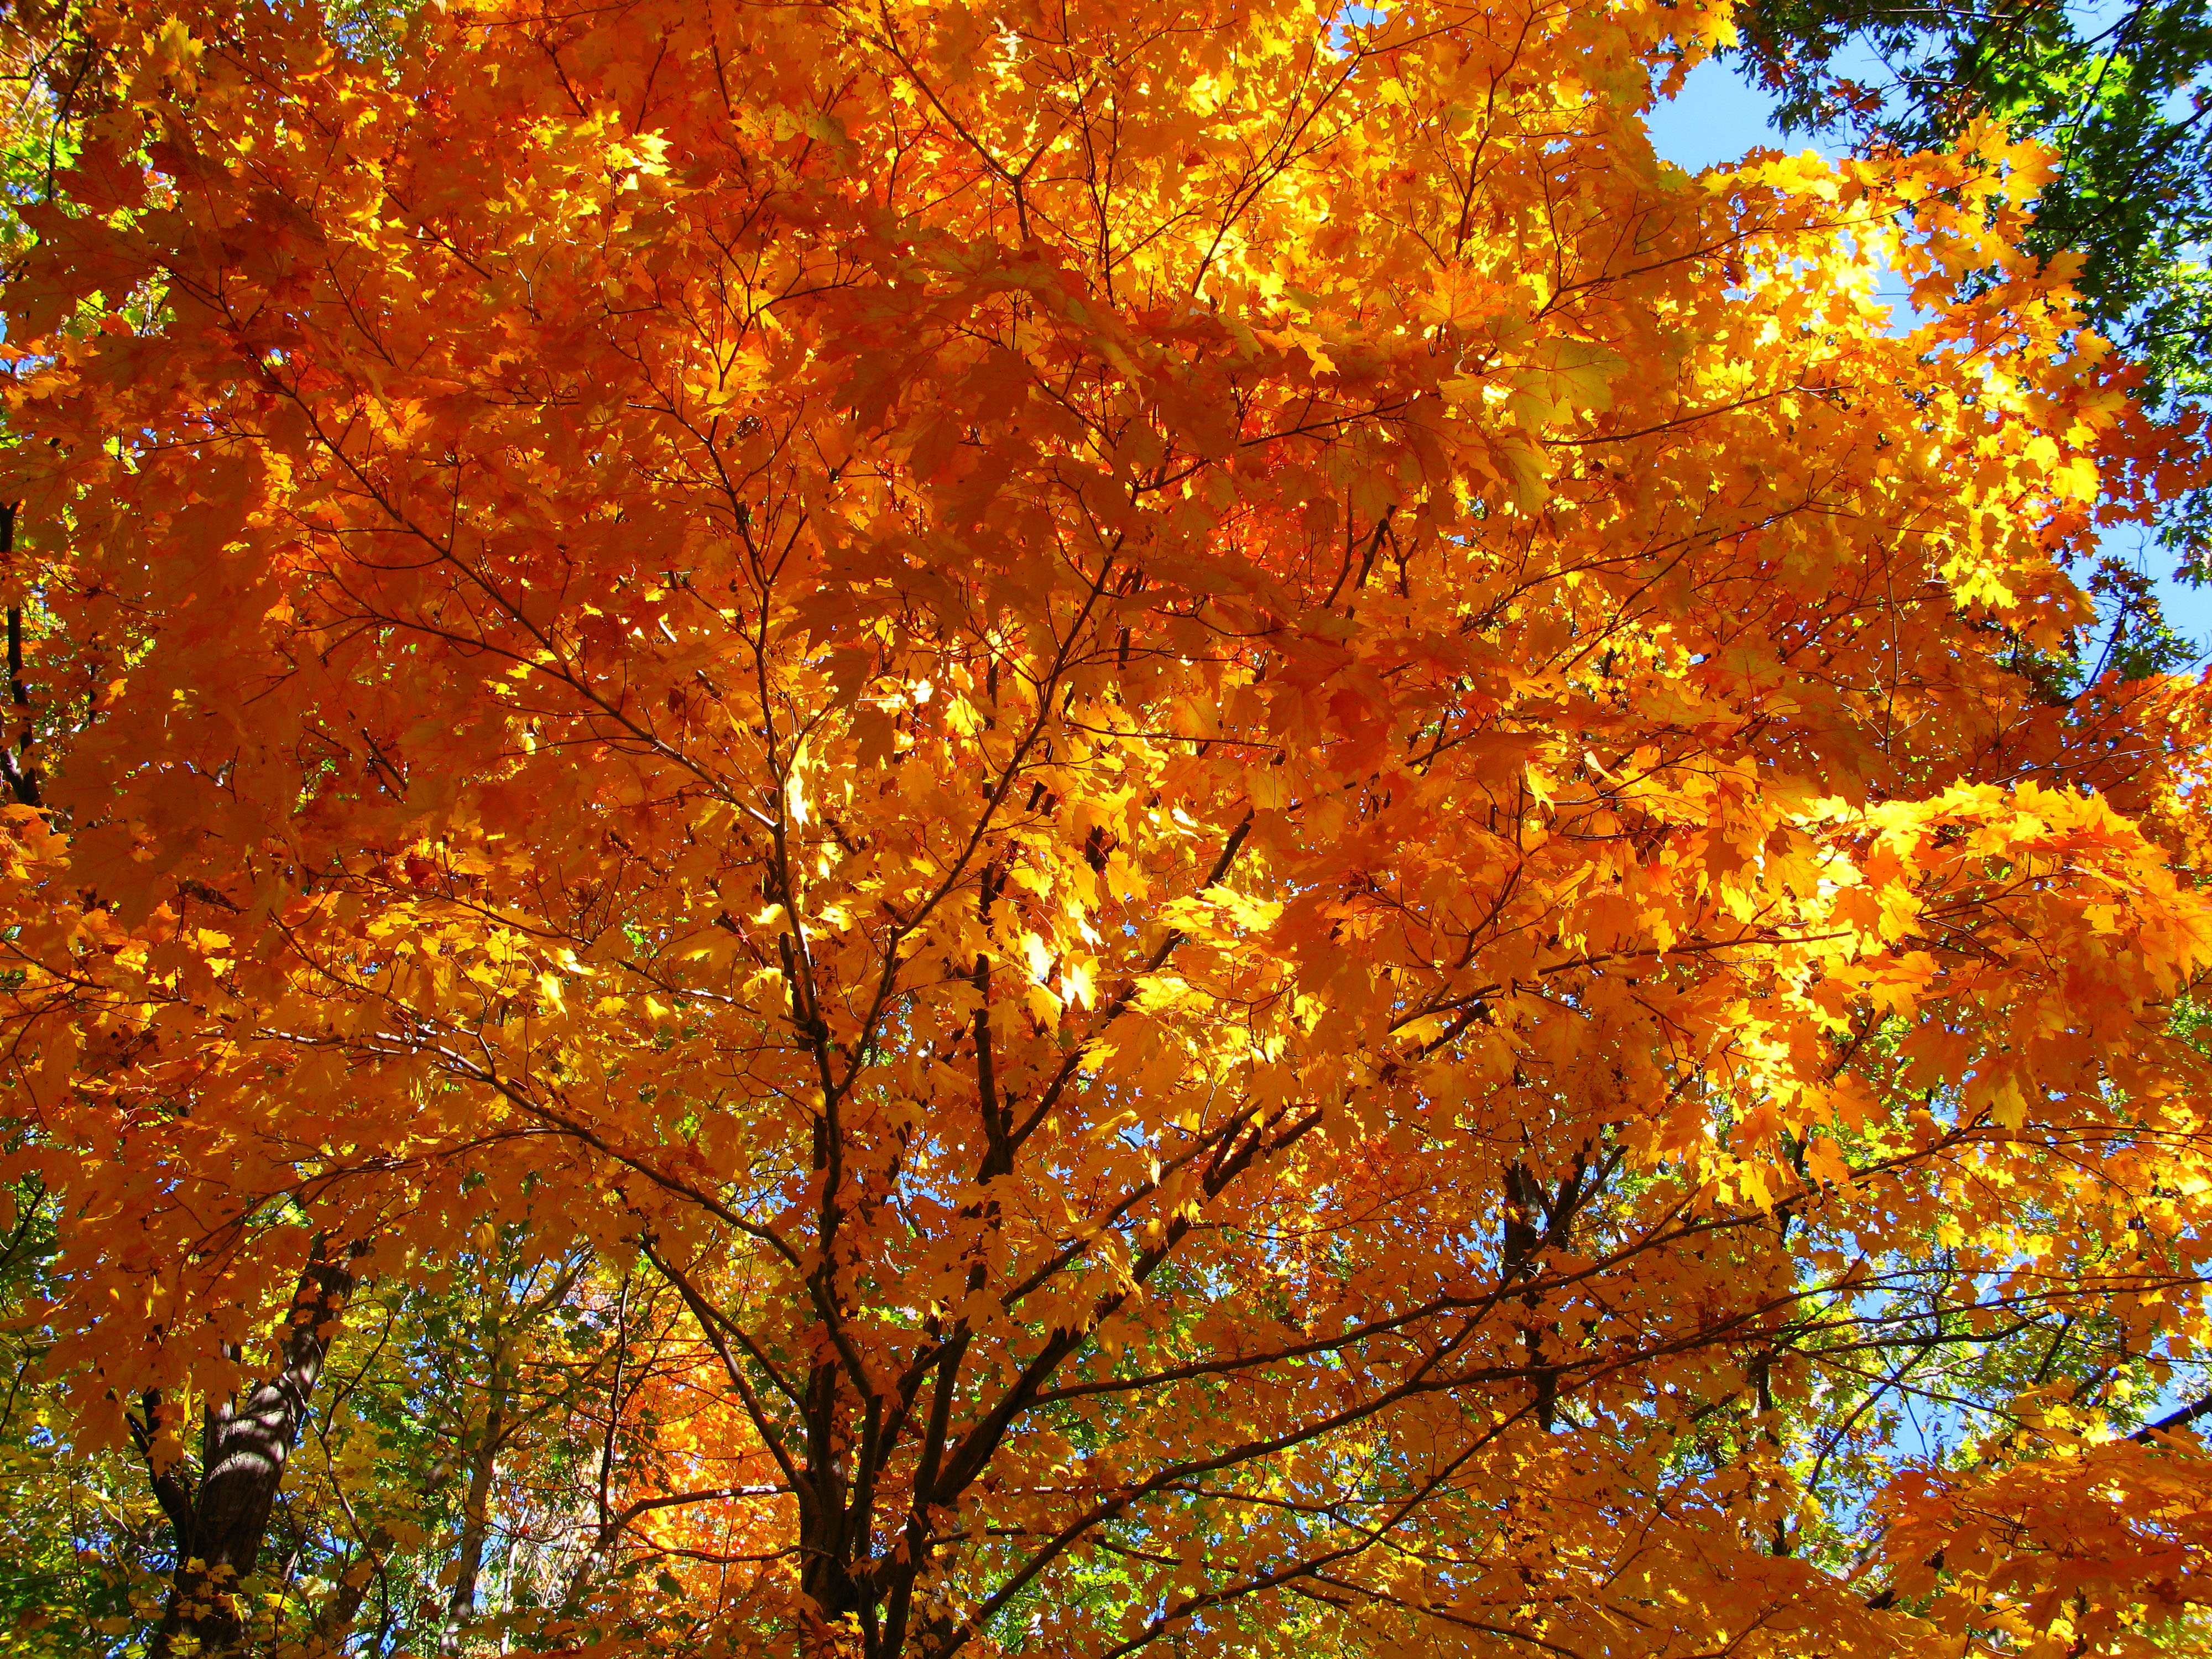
(1211, 838)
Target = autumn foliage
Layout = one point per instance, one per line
(1157, 827)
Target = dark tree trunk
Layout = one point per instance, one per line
(219, 1522)
(15, 769)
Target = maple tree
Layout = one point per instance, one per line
(1074, 828)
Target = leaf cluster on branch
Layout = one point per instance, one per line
(2119, 97)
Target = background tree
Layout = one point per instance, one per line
(1074, 830)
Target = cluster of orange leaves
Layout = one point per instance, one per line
(1281, 824)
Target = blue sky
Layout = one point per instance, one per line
(1716, 117)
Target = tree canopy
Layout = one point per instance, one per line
(1073, 829)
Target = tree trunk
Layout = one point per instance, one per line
(475, 1509)
(16, 768)
(219, 1525)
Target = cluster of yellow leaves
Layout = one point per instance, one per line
(1271, 816)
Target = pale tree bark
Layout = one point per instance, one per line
(475, 1502)
(508, 1412)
